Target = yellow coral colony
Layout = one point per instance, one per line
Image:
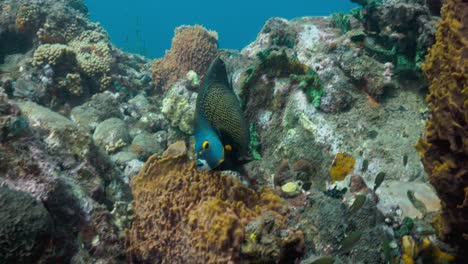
(342, 166)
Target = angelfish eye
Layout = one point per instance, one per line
(205, 145)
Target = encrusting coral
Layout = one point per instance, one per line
(182, 215)
(193, 48)
(444, 146)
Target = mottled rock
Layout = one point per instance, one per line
(132, 169)
(123, 157)
(101, 107)
(139, 104)
(60, 133)
(152, 122)
(112, 134)
(145, 145)
(336, 101)
(25, 227)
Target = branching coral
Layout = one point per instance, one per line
(187, 216)
(193, 48)
(444, 146)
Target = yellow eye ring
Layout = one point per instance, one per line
(205, 145)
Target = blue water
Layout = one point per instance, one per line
(147, 26)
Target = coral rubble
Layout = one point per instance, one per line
(444, 146)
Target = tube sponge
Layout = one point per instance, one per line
(193, 48)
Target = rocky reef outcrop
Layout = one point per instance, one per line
(71, 185)
(444, 145)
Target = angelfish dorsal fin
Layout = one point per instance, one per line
(217, 71)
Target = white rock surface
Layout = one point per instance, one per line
(392, 193)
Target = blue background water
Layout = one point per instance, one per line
(147, 26)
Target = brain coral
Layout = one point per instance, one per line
(182, 215)
(444, 146)
(193, 48)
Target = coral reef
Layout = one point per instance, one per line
(444, 146)
(193, 48)
(333, 106)
(64, 58)
(265, 245)
(202, 216)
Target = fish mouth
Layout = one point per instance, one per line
(202, 164)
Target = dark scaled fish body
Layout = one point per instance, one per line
(221, 131)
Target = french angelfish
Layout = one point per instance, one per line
(221, 132)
